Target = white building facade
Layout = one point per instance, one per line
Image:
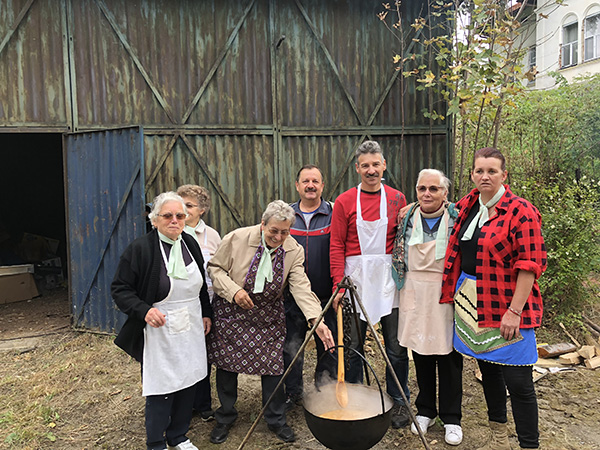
(562, 38)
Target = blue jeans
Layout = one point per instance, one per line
(397, 355)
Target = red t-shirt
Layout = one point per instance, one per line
(344, 237)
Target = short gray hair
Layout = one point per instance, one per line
(444, 181)
(371, 147)
(161, 199)
(280, 211)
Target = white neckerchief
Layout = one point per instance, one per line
(483, 215)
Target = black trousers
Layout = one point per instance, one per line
(519, 382)
(448, 370)
(296, 328)
(203, 399)
(227, 384)
(168, 415)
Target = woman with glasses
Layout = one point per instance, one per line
(425, 326)
(249, 271)
(197, 203)
(495, 254)
(160, 285)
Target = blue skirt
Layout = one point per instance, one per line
(520, 353)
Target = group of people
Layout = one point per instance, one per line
(443, 280)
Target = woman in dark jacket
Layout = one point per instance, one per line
(160, 285)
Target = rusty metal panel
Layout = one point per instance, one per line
(105, 205)
(32, 83)
(153, 61)
(238, 170)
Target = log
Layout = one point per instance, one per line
(548, 363)
(590, 341)
(550, 351)
(592, 330)
(569, 334)
(592, 363)
(587, 351)
(590, 323)
(570, 358)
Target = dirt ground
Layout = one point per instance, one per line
(61, 389)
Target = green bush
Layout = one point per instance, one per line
(570, 212)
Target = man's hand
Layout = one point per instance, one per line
(243, 300)
(207, 325)
(337, 300)
(404, 211)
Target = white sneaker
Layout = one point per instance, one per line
(424, 424)
(454, 434)
(185, 445)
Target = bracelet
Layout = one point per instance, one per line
(514, 311)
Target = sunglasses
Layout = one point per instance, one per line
(432, 189)
(169, 216)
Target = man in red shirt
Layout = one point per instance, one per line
(363, 228)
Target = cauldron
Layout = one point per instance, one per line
(372, 406)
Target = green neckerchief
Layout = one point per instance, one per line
(192, 230)
(265, 267)
(175, 263)
(441, 240)
(483, 215)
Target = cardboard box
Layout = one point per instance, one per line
(17, 283)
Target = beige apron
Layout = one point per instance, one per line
(424, 324)
(371, 271)
(175, 354)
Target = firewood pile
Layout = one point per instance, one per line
(566, 354)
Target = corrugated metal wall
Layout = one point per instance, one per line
(233, 95)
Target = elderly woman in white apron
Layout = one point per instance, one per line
(249, 271)
(425, 326)
(197, 203)
(160, 285)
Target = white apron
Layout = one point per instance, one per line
(175, 354)
(424, 324)
(371, 271)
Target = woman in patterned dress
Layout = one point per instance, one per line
(495, 254)
(249, 271)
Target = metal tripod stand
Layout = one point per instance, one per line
(355, 301)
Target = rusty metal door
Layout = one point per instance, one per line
(105, 212)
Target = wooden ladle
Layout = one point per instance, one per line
(341, 392)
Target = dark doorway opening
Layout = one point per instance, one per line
(32, 216)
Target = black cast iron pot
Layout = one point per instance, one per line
(349, 434)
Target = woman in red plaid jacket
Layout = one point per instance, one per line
(495, 254)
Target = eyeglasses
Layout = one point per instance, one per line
(275, 231)
(169, 216)
(432, 189)
(191, 205)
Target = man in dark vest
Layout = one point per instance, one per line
(311, 230)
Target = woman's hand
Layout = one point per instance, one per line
(325, 335)
(243, 300)
(207, 325)
(509, 327)
(155, 318)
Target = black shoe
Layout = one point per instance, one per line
(399, 416)
(219, 433)
(292, 400)
(284, 432)
(207, 416)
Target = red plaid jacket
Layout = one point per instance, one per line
(511, 241)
